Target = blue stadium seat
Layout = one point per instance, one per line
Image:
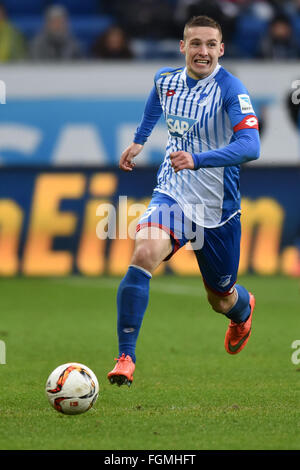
(26, 7)
(295, 20)
(152, 49)
(80, 7)
(28, 25)
(87, 28)
(249, 32)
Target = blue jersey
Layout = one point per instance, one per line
(212, 119)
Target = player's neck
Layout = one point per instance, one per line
(191, 77)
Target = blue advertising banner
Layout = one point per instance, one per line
(87, 131)
(83, 131)
(86, 113)
(58, 222)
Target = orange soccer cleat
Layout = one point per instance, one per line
(238, 334)
(122, 374)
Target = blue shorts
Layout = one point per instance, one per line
(217, 249)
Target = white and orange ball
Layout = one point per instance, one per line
(72, 388)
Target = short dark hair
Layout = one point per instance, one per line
(202, 21)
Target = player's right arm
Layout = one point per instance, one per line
(126, 161)
(152, 113)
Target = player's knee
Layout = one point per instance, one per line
(145, 256)
(141, 253)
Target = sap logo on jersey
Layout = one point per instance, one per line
(178, 126)
(245, 104)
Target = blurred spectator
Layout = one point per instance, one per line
(265, 10)
(226, 13)
(279, 42)
(292, 7)
(55, 42)
(113, 44)
(12, 43)
(147, 19)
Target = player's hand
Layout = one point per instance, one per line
(181, 160)
(126, 161)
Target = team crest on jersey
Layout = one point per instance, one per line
(178, 126)
(245, 104)
(202, 98)
(224, 280)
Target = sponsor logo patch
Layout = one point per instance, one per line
(251, 122)
(245, 104)
(178, 126)
(170, 92)
(248, 122)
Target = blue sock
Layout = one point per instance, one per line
(241, 309)
(132, 301)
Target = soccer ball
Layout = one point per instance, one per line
(72, 388)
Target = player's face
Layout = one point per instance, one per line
(202, 48)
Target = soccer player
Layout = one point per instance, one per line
(212, 129)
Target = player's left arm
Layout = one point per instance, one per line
(245, 148)
(245, 144)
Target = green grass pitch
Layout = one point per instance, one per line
(188, 393)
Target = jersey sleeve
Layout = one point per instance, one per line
(152, 111)
(245, 144)
(238, 106)
(244, 148)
